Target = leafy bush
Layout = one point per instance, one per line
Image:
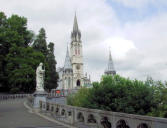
(80, 98)
(119, 94)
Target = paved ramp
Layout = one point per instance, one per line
(13, 114)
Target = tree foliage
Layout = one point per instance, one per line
(119, 94)
(21, 66)
(80, 98)
(51, 81)
(40, 43)
(160, 97)
(18, 59)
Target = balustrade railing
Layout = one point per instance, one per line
(93, 118)
(13, 96)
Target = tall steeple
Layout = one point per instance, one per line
(75, 25)
(76, 55)
(75, 34)
(110, 67)
(67, 63)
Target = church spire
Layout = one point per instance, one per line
(110, 67)
(67, 63)
(75, 25)
(75, 34)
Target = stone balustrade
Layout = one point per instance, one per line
(93, 118)
(13, 96)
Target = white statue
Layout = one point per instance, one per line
(40, 78)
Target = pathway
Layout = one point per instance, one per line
(13, 114)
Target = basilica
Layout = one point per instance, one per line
(71, 75)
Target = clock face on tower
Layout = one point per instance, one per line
(77, 66)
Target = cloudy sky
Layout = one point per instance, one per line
(136, 31)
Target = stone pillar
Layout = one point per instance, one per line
(39, 96)
(85, 115)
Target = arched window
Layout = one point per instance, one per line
(78, 83)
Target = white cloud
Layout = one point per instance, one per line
(149, 37)
(119, 46)
(138, 48)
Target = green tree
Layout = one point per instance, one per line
(160, 97)
(51, 81)
(116, 93)
(95, 84)
(21, 67)
(40, 43)
(18, 61)
(3, 51)
(13, 31)
(19, 26)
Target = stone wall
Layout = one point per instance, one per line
(93, 118)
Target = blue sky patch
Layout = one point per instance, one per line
(126, 14)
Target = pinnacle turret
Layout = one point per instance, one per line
(67, 64)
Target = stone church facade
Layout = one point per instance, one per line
(71, 76)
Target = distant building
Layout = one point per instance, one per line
(110, 67)
(71, 76)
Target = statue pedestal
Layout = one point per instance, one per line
(39, 96)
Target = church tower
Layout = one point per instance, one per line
(76, 55)
(110, 67)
